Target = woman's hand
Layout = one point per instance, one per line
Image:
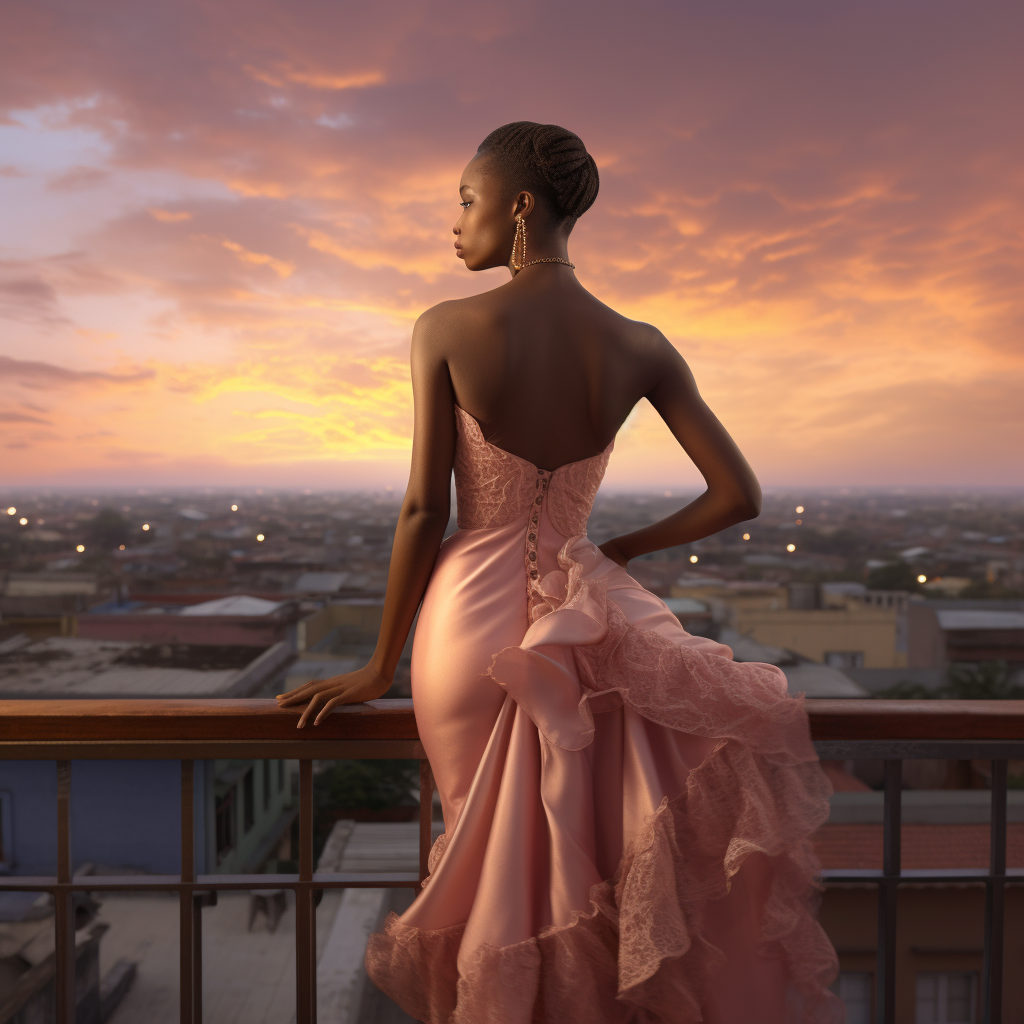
(351, 688)
(611, 549)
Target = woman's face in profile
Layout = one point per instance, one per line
(484, 232)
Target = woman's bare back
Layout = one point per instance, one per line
(548, 371)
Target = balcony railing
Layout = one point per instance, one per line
(63, 731)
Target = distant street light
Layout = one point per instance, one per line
(799, 509)
(145, 526)
(121, 548)
(693, 558)
(259, 536)
(922, 578)
(234, 508)
(80, 548)
(791, 547)
(23, 521)
(11, 511)
(746, 536)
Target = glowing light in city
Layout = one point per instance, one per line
(922, 578)
(746, 536)
(145, 526)
(121, 548)
(259, 536)
(791, 547)
(23, 521)
(80, 548)
(11, 511)
(693, 558)
(799, 509)
(234, 508)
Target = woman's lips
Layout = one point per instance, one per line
(458, 251)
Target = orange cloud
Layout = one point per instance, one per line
(259, 259)
(316, 80)
(169, 216)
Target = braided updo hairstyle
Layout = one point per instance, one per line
(548, 161)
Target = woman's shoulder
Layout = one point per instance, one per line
(471, 307)
(453, 319)
(635, 337)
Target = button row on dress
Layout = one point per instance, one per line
(543, 479)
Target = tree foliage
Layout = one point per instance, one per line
(109, 529)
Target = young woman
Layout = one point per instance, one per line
(627, 810)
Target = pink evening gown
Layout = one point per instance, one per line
(627, 810)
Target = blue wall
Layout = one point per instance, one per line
(33, 789)
(123, 814)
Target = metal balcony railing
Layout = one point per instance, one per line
(63, 731)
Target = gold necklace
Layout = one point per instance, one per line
(548, 259)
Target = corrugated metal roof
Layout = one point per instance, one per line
(959, 618)
(236, 604)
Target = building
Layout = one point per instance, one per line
(947, 632)
(844, 625)
(939, 936)
(235, 619)
(42, 604)
(123, 811)
(859, 635)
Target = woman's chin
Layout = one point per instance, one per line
(477, 264)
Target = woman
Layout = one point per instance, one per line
(626, 809)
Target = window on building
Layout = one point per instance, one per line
(845, 659)
(266, 785)
(946, 997)
(225, 823)
(854, 988)
(248, 801)
(6, 833)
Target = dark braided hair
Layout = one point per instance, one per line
(548, 161)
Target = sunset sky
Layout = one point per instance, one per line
(219, 221)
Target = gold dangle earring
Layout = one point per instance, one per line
(519, 243)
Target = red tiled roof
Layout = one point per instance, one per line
(855, 845)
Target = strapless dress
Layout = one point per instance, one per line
(627, 810)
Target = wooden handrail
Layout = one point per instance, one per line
(254, 720)
(113, 721)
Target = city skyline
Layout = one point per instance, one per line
(217, 226)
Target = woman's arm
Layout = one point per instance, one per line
(421, 526)
(732, 494)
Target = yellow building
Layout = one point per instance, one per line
(724, 597)
(859, 635)
(843, 625)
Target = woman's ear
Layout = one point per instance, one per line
(524, 204)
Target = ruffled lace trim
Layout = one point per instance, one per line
(638, 953)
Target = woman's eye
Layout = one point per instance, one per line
(464, 204)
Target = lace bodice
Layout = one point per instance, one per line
(494, 488)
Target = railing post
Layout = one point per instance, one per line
(426, 815)
(305, 918)
(186, 904)
(995, 902)
(888, 891)
(64, 908)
